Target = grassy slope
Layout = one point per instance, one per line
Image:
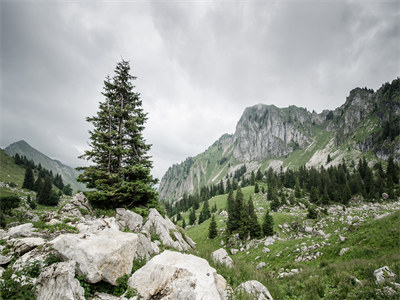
(372, 245)
(9, 171)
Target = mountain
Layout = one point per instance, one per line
(368, 124)
(67, 173)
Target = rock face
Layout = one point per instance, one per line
(220, 256)
(58, 282)
(24, 230)
(167, 232)
(268, 132)
(27, 244)
(256, 289)
(106, 255)
(173, 275)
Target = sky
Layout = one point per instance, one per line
(198, 65)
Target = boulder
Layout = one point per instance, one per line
(234, 251)
(167, 232)
(104, 296)
(269, 241)
(76, 208)
(385, 196)
(220, 256)
(173, 275)
(24, 230)
(98, 225)
(39, 254)
(266, 250)
(5, 259)
(106, 255)
(129, 219)
(27, 244)
(255, 289)
(384, 274)
(58, 282)
(223, 213)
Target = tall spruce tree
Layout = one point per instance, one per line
(192, 217)
(120, 174)
(268, 225)
(212, 230)
(28, 179)
(205, 212)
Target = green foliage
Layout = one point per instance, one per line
(205, 213)
(67, 190)
(192, 217)
(40, 225)
(312, 212)
(268, 225)
(212, 230)
(9, 202)
(28, 179)
(103, 287)
(46, 195)
(120, 175)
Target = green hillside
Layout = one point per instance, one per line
(372, 243)
(9, 171)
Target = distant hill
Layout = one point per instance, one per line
(67, 173)
(367, 124)
(9, 171)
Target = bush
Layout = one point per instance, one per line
(9, 202)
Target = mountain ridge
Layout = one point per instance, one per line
(268, 136)
(68, 174)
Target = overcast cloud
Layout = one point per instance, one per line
(199, 65)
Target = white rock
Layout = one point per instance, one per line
(223, 213)
(5, 259)
(74, 208)
(58, 282)
(98, 225)
(342, 239)
(384, 274)
(24, 230)
(266, 250)
(104, 296)
(129, 219)
(269, 241)
(106, 255)
(381, 216)
(234, 251)
(308, 229)
(27, 244)
(261, 265)
(53, 222)
(173, 275)
(220, 256)
(256, 289)
(1, 271)
(167, 232)
(343, 251)
(385, 196)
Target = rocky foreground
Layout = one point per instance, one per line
(73, 251)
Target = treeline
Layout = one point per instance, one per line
(43, 184)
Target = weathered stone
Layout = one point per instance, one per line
(384, 274)
(1, 271)
(234, 251)
(173, 275)
(343, 251)
(167, 232)
(58, 282)
(129, 219)
(76, 208)
(266, 250)
(342, 239)
(27, 244)
(24, 230)
(104, 296)
(106, 255)
(269, 241)
(98, 225)
(261, 265)
(53, 222)
(220, 256)
(385, 196)
(223, 213)
(256, 289)
(5, 259)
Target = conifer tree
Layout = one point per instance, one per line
(205, 212)
(238, 210)
(120, 174)
(192, 217)
(297, 189)
(392, 171)
(28, 179)
(256, 188)
(212, 230)
(254, 228)
(231, 206)
(183, 223)
(268, 224)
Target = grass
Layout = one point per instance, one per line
(9, 171)
(373, 245)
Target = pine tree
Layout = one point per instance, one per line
(43, 195)
(297, 189)
(252, 178)
(192, 217)
(268, 225)
(205, 212)
(392, 170)
(254, 228)
(212, 230)
(120, 174)
(256, 188)
(314, 197)
(28, 179)
(231, 206)
(183, 223)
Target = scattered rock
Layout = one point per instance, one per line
(384, 274)
(58, 282)
(269, 241)
(53, 222)
(106, 255)
(104, 296)
(220, 256)
(261, 265)
(386, 291)
(173, 275)
(27, 244)
(223, 213)
(342, 239)
(76, 208)
(266, 250)
(168, 233)
(381, 216)
(98, 225)
(129, 219)
(385, 196)
(256, 289)
(234, 251)
(343, 251)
